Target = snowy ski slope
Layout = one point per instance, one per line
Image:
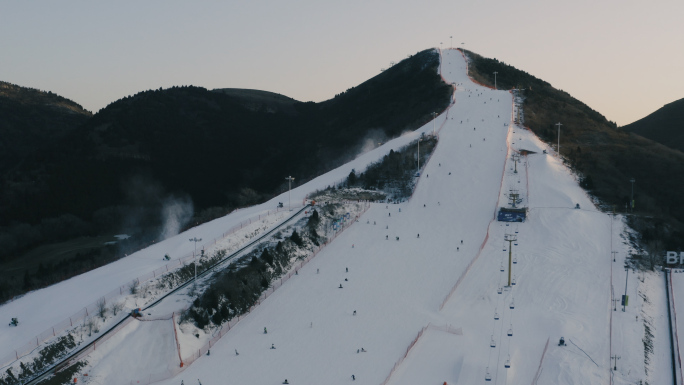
(433, 285)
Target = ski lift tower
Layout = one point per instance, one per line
(513, 197)
(516, 158)
(510, 238)
(518, 99)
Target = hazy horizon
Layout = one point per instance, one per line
(620, 58)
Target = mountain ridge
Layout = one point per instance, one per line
(664, 125)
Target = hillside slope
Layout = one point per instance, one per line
(147, 160)
(32, 120)
(604, 156)
(418, 307)
(665, 125)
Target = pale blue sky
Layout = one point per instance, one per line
(622, 58)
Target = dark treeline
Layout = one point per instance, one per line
(395, 172)
(605, 157)
(665, 126)
(218, 150)
(233, 291)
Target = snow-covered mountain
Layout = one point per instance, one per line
(424, 297)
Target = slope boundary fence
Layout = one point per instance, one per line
(225, 328)
(541, 361)
(484, 242)
(677, 359)
(94, 345)
(117, 293)
(443, 328)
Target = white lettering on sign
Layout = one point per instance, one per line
(672, 258)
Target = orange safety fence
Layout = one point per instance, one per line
(484, 242)
(175, 337)
(120, 291)
(541, 360)
(446, 328)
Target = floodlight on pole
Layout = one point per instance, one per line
(419, 140)
(495, 79)
(289, 192)
(559, 125)
(434, 117)
(631, 201)
(452, 41)
(195, 239)
(624, 299)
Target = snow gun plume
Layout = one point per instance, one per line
(176, 213)
(373, 139)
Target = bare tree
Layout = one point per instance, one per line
(133, 287)
(91, 324)
(117, 307)
(102, 308)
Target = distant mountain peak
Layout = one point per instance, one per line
(665, 125)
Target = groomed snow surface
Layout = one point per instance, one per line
(565, 280)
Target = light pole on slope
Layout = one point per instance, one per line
(289, 191)
(195, 239)
(631, 202)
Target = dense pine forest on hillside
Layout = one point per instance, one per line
(665, 126)
(605, 157)
(206, 152)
